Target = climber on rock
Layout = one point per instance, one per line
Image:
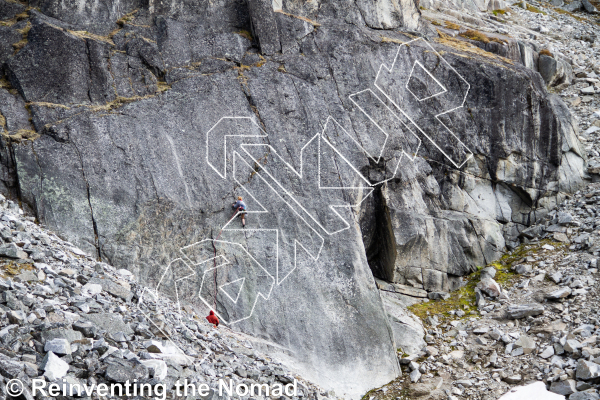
(213, 319)
(240, 208)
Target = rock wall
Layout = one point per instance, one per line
(358, 155)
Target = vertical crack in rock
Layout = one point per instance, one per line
(89, 59)
(89, 198)
(378, 236)
(16, 172)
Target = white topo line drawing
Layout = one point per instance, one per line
(308, 218)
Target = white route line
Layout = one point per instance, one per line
(227, 262)
(300, 175)
(320, 137)
(444, 90)
(411, 157)
(239, 290)
(224, 174)
(436, 116)
(296, 241)
(192, 273)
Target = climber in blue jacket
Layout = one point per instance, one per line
(240, 207)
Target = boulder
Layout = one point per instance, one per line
(526, 343)
(584, 396)
(559, 293)
(518, 311)
(158, 366)
(121, 371)
(58, 346)
(589, 7)
(489, 287)
(110, 286)
(575, 5)
(587, 370)
(112, 323)
(408, 330)
(564, 388)
(533, 391)
(11, 250)
(54, 368)
(10, 369)
(554, 71)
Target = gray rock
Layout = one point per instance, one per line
(526, 343)
(389, 14)
(584, 396)
(16, 317)
(554, 71)
(519, 311)
(565, 387)
(408, 331)
(12, 251)
(58, 346)
(112, 323)
(10, 369)
(512, 379)
(438, 295)
(556, 277)
(121, 371)
(547, 353)
(571, 346)
(70, 64)
(564, 218)
(99, 18)
(575, 5)
(58, 333)
(559, 293)
(415, 376)
(128, 184)
(54, 368)
(9, 10)
(265, 25)
(523, 269)
(488, 272)
(532, 391)
(87, 329)
(111, 287)
(588, 7)
(160, 368)
(489, 287)
(587, 370)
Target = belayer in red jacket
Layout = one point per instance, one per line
(213, 319)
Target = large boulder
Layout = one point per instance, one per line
(554, 71)
(533, 391)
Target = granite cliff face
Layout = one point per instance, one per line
(130, 127)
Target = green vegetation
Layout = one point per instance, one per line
(530, 8)
(534, 9)
(499, 12)
(479, 36)
(395, 390)
(12, 268)
(246, 34)
(464, 298)
(21, 43)
(452, 25)
(565, 12)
